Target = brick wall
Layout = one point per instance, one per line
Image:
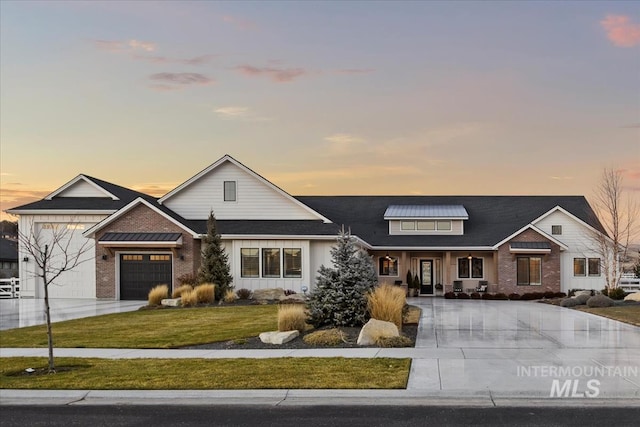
(141, 219)
(507, 269)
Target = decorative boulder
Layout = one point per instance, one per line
(375, 329)
(278, 337)
(171, 302)
(293, 298)
(578, 293)
(569, 302)
(268, 294)
(634, 296)
(582, 298)
(600, 301)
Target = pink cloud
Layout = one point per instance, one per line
(125, 46)
(174, 81)
(621, 31)
(279, 75)
(197, 60)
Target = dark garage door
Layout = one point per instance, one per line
(141, 272)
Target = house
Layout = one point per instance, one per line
(8, 258)
(273, 239)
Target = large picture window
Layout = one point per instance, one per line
(579, 267)
(470, 268)
(270, 262)
(529, 271)
(292, 262)
(249, 262)
(388, 266)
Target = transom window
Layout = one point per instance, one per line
(160, 257)
(229, 191)
(132, 257)
(529, 271)
(426, 225)
(470, 268)
(388, 266)
(407, 225)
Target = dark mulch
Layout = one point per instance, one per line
(298, 343)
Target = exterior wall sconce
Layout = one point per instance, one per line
(181, 257)
(105, 257)
(25, 259)
(470, 257)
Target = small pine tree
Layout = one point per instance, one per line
(215, 261)
(340, 295)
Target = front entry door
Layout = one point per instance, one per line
(426, 277)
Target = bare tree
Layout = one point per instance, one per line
(53, 254)
(618, 213)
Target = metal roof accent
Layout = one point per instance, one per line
(140, 237)
(426, 211)
(530, 245)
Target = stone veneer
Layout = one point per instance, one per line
(142, 219)
(507, 266)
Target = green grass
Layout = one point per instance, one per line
(204, 374)
(627, 314)
(166, 328)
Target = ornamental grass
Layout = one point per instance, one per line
(292, 317)
(177, 292)
(205, 293)
(230, 296)
(386, 303)
(157, 294)
(189, 298)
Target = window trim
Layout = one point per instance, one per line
(469, 264)
(381, 260)
(528, 258)
(235, 191)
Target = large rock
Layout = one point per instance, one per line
(634, 296)
(582, 298)
(268, 294)
(375, 329)
(293, 298)
(569, 302)
(278, 337)
(600, 301)
(577, 293)
(171, 302)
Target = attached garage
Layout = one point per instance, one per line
(139, 273)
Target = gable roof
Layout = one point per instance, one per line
(80, 179)
(227, 158)
(491, 218)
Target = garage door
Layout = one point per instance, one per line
(139, 273)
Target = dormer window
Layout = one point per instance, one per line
(229, 191)
(426, 219)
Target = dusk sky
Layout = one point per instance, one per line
(331, 97)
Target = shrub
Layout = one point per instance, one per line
(399, 341)
(582, 299)
(475, 295)
(450, 295)
(214, 266)
(560, 295)
(188, 279)
(501, 296)
(615, 293)
(189, 298)
(243, 293)
(600, 301)
(177, 292)
(488, 296)
(463, 295)
(514, 296)
(386, 303)
(288, 292)
(325, 337)
(292, 317)
(549, 295)
(206, 293)
(157, 294)
(229, 296)
(569, 302)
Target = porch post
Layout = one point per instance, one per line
(447, 271)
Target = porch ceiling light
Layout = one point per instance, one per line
(387, 257)
(470, 257)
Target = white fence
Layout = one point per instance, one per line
(629, 283)
(10, 288)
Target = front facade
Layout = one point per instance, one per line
(508, 243)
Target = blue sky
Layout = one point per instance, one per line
(321, 97)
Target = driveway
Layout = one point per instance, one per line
(523, 348)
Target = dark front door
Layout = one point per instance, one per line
(426, 277)
(139, 273)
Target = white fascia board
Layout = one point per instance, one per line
(537, 230)
(285, 237)
(156, 244)
(91, 232)
(228, 158)
(433, 248)
(76, 179)
(530, 251)
(58, 212)
(570, 215)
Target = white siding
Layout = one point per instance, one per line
(320, 255)
(456, 229)
(577, 237)
(255, 199)
(79, 283)
(82, 189)
(239, 282)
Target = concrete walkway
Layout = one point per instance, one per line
(484, 353)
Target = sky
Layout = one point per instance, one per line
(321, 98)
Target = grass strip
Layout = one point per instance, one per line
(166, 328)
(206, 374)
(628, 314)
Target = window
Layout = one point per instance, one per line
(292, 262)
(579, 267)
(160, 257)
(6, 265)
(407, 225)
(470, 268)
(249, 262)
(556, 229)
(594, 266)
(388, 266)
(75, 226)
(529, 271)
(229, 191)
(132, 257)
(426, 225)
(444, 225)
(270, 262)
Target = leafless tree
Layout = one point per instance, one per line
(618, 212)
(49, 246)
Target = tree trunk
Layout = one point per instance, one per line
(52, 367)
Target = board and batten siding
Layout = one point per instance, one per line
(578, 239)
(457, 228)
(82, 189)
(254, 199)
(79, 283)
(294, 283)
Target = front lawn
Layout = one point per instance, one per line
(206, 374)
(165, 328)
(624, 313)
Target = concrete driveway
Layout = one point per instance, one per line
(523, 348)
